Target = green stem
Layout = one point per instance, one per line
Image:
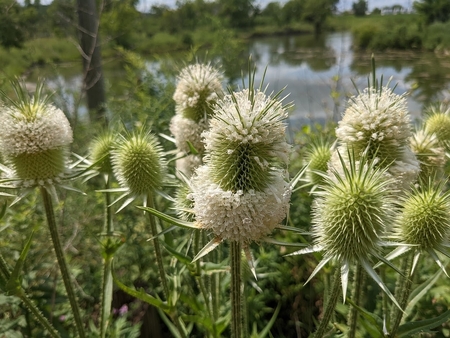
(235, 264)
(402, 291)
(5, 274)
(107, 280)
(46, 197)
(331, 304)
(358, 284)
(160, 264)
(158, 254)
(201, 283)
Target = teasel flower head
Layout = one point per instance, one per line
(241, 192)
(246, 141)
(317, 156)
(423, 223)
(186, 164)
(349, 216)
(429, 152)
(437, 122)
(101, 150)
(199, 87)
(376, 121)
(184, 204)
(187, 133)
(138, 163)
(34, 139)
(237, 215)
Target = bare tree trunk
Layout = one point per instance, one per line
(93, 83)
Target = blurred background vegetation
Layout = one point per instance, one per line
(33, 35)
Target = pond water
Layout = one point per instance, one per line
(313, 69)
(317, 73)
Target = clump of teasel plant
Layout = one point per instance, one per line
(34, 144)
(241, 193)
(437, 121)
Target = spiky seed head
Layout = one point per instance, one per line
(437, 122)
(199, 86)
(424, 220)
(138, 163)
(238, 215)
(318, 155)
(101, 149)
(430, 154)
(246, 141)
(376, 122)
(351, 212)
(34, 138)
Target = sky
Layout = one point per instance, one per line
(145, 5)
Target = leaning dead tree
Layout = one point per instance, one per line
(93, 83)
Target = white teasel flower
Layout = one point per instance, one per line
(198, 87)
(237, 215)
(187, 131)
(377, 124)
(241, 193)
(376, 121)
(34, 139)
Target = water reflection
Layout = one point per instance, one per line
(312, 69)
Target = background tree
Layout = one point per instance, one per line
(433, 10)
(292, 11)
(12, 33)
(360, 8)
(317, 11)
(237, 13)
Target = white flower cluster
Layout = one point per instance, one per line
(376, 115)
(22, 134)
(241, 120)
(241, 192)
(239, 216)
(197, 84)
(187, 130)
(377, 123)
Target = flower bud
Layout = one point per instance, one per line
(351, 213)
(101, 149)
(424, 218)
(138, 163)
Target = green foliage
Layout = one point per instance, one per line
(360, 8)
(433, 10)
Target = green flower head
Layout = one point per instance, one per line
(424, 220)
(34, 139)
(101, 149)
(138, 163)
(438, 122)
(246, 141)
(351, 213)
(318, 155)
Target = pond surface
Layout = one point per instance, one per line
(313, 69)
(317, 73)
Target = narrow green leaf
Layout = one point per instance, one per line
(269, 325)
(169, 219)
(421, 291)
(192, 149)
(409, 329)
(178, 255)
(141, 294)
(374, 323)
(210, 246)
(107, 295)
(14, 285)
